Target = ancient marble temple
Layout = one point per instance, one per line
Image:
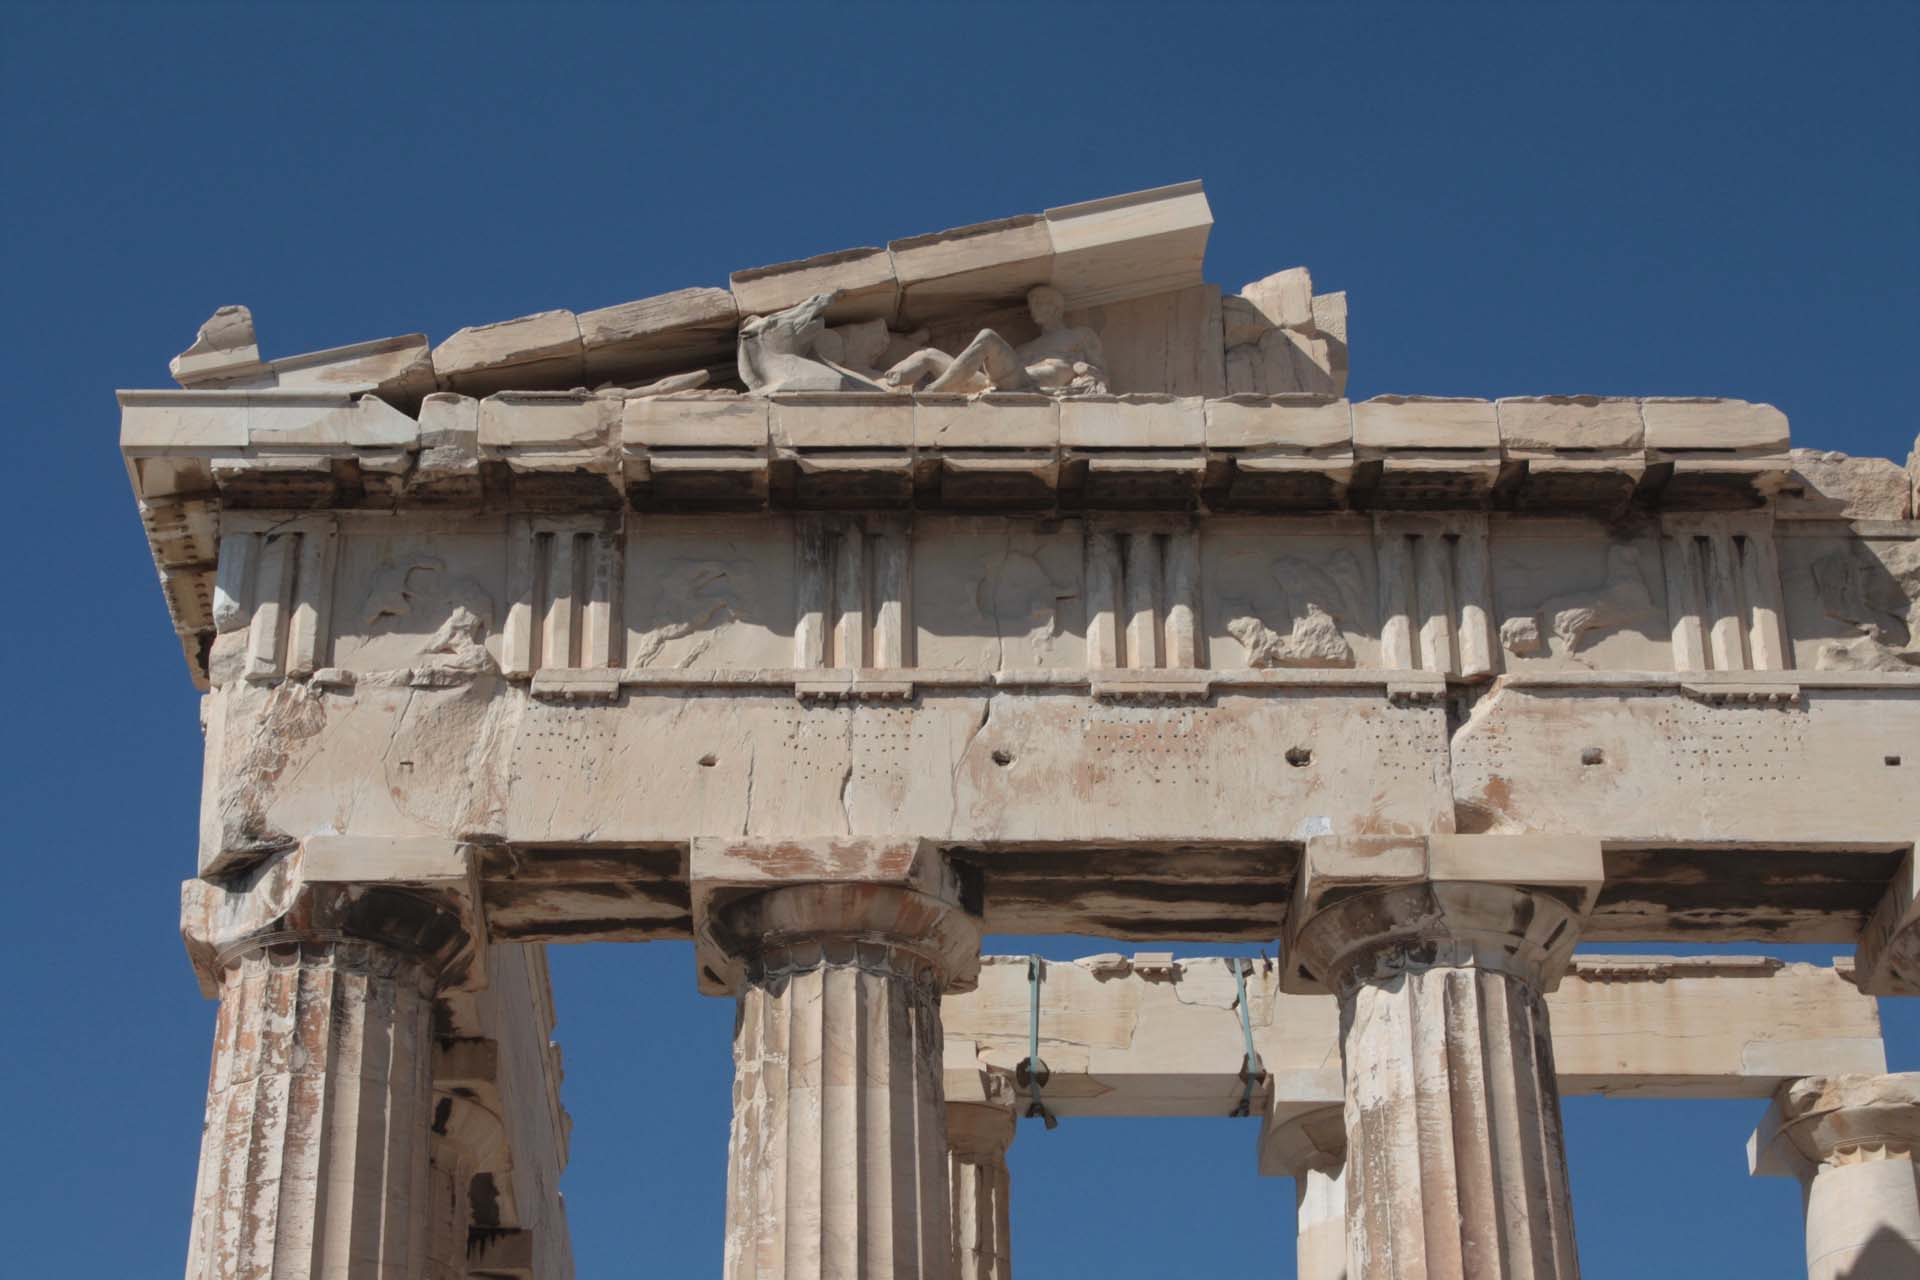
(1015, 579)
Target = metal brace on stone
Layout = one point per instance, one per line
(1032, 1073)
(1251, 1071)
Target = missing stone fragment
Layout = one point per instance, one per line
(1593, 755)
(709, 760)
(1299, 757)
(1002, 757)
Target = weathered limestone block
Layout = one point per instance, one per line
(1132, 422)
(861, 281)
(398, 369)
(1850, 1140)
(972, 266)
(1129, 246)
(838, 1160)
(540, 350)
(315, 1157)
(223, 353)
(1833, 485)
(669, 333)
(1456, 1164)
(1167, 343)
(1629, 757)
(1679, 423)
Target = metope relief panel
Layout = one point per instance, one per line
(1852, 602)
(1143, 594)
(1723, 592)
(1289, 593)
(412, 597)
(998, 593)
(1576, 595)
(272, 597)
(563, 595)
(1436, 594)
(851, 593)
(705, 592)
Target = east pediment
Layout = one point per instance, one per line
(1103, 297)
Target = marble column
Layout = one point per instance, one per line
(1850, 1141)
(314, 1158)
(1455, 1165)
(1320, 1223)
(1307, 1141)
(838, 1159)
(978, 1135)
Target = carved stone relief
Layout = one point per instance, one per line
(1279, 601)
(1874, 597)
(1316, 600)
(995, 594)
(1064, 360)
(709, 592)
(1620, 598)
(417, 603)
(1612, 616)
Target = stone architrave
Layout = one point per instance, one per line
(315, 1157)
(838, 1159)
(1850, 1140)
(1456, 1165)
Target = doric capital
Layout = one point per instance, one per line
(781, 906)
(980, 1130)
(1365, 909)
(414, 900)
(1838, 1120)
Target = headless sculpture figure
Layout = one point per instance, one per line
(1064, 360)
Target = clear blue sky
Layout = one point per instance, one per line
(1714, 199)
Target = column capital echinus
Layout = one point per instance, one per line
(1848, 1119)
(1367, 908)
(895, 906)
(388, 904)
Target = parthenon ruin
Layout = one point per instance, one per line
(1016, 580)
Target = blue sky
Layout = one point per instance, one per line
(1706, 199)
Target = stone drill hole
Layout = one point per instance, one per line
(1299, 757)
(1593, 755)
(1002, 757)
(708, 761)
(1893, 762)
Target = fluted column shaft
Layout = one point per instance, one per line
(1850, 1139)
(314, 1158)
(1320, 1223)
(838, 1160)
(1456, 1166)
(978, 1135)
